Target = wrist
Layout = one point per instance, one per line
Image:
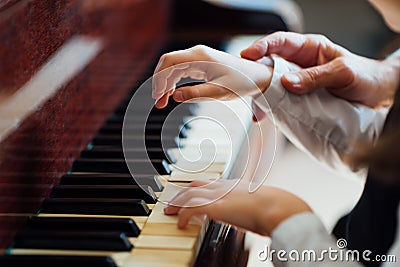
(271, 219)
(277, 211)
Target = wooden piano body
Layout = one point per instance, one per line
(65, 65)
(40, 140)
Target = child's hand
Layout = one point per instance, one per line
(231, 202)
(226, 76)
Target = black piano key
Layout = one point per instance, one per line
(116, 118)
(138, 126)
(135, 141)
(130, 154)
(56, 261)
(125, 225)
(112, 179)
(90, 206)
(171, 130)
(120, 166)
(151, 129)
(69, 240)
(104, 191)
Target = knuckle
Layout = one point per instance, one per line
(323, 38)
(165, 58)
(278, 34)
(200, 49)
(343, 66)
(192, 193)
(319, 37)
(188, 207)
(275, 37)
(197, 201)
(194, 92)
(203, 51)
(313, 75)
(281, 38)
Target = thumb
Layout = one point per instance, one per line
(330, 75)
(203, 90)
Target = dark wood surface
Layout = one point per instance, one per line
(35, 156)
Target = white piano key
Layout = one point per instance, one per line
(198, 167)
(178, 176)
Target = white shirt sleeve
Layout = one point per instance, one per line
(302, 240)
(322, 125)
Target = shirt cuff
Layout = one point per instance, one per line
(275, 92)
(286, 235)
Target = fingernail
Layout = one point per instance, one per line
(178, 96)
(166, 209)
(181, 225)
(292, 78)
(159, 105)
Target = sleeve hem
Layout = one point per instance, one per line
(275, 93)
(287, 232)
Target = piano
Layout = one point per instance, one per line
(68, 69)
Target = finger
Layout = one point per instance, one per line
(162, 102)
(204, 90)
(174, 58)
(178, 72)
(258, 113)
(255, 51)
(196, 208)
(165, 81)
(171, 210)
(209, 191)
(282, 43)
(334, 74)
(210, 184)
(201, 183)
(161, 74)
(182, 198)
(303, 49)
(174, 66)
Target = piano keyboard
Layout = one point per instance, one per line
(98, 215)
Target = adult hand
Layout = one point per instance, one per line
(327, 65)
(226, 76)
(231, 202)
